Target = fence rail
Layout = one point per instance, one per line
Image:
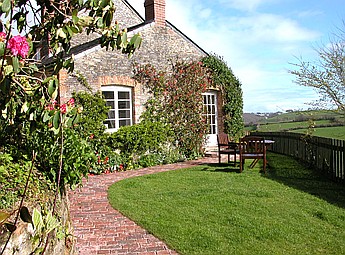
(325, 154)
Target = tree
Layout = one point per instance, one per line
(29, 87)
(327, 74)
(224, 79)
(30, 115)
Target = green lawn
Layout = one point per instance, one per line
(214, 209)
(329, 132)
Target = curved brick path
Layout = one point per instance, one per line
(99, 229)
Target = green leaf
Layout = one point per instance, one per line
(69, 30)
(3, 217)
(124, 39)
(75, 18)
(2, 49)
(136, 41)
(51, 223)
(37, 219)
(56, 120)
(60, 33)
(52, 87)
(25, 215)
(6, 6)
(46, 116)
(25, 107)
(15, 64)
(100, 23)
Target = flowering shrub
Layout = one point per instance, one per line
(18, 46)
(177, 100)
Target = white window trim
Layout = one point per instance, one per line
(213, 93)
(116, 89)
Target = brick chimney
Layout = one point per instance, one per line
(155, 11)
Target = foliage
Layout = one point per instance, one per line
(177, 101)
(212, 209)
(13, 176)
(143, 144)
(29, 87)
(224, 79)
(91, 124)
(327, 74)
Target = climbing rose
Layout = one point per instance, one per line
(2, 36)
(63, 108)
(71, 102)
(18, 46)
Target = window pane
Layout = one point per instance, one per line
(212, 99)
(213, 109)
(124, 104)
(213, 129)
(108, 94)
(124, 123)
(123, 95)
(124, 114)
(111, 115)
(111, 104)
(110, 123)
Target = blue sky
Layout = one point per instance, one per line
(259, 39)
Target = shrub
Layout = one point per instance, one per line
(141, 144)
(13, 177)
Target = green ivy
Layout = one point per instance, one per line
(224, 79)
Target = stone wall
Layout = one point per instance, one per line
(126, 16)
(21, 240)
(161, 46)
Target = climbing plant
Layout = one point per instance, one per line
(177, 100)
(224, 79)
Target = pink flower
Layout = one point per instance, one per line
(18, 46)
(50, 107)
(2, 36)
(70, 102)
(63, 108)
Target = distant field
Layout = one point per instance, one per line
(329, 132)
(303, 115)
(298, 122)
(275, 127)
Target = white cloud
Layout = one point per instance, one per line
(247, 5)
(257, 47)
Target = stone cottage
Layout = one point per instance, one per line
(111, 71)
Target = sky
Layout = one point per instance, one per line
(260, 40)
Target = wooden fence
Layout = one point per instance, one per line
(325, 154)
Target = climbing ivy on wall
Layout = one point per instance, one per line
(224, 79)
(177, 100)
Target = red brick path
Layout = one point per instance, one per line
(99, 229)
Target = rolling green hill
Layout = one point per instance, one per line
(324, 123)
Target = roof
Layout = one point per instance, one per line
(95, 44)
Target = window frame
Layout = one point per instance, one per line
(212, 122)
(116, 89)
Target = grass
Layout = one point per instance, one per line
(276, 127)
(329, 132)
(213, 209)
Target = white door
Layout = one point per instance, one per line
(210, 110)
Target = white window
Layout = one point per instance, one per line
(210, 111)
(119, 99)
